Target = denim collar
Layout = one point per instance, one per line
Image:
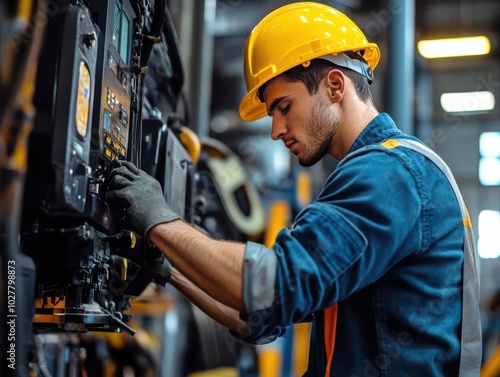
(381, 128)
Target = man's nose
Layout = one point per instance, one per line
(278, 129)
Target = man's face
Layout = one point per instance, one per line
(305, 123)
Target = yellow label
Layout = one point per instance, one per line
(389, 144)
(83, 100)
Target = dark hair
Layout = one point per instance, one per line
(312, 75)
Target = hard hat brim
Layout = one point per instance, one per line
(251, 108)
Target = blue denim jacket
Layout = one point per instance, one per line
(383, 240)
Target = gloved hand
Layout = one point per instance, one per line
(140, 195)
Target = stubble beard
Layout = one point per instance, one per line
(321, 128)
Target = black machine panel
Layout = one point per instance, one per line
(61, 139)
(115, 86)
(90, 96)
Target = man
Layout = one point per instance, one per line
(378, 261)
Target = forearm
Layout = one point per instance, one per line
(221, 313)
(214, 266)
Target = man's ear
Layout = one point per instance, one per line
(335, 81)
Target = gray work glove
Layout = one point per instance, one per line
(140, 195)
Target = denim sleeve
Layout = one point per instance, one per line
(364, 221)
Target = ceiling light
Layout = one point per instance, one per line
(489, 171)
(452, 47)
(489, 239)
(467, 102)
(489, 144)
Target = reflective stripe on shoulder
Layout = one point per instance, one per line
(467, 221)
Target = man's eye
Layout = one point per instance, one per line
(285, 110)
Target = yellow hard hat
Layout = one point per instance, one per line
(292, 35)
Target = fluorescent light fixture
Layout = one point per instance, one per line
(467, 102)
(489, 171)
(453, 47)
(489, 144)
(488, 242)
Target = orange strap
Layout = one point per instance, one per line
(330, 326)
